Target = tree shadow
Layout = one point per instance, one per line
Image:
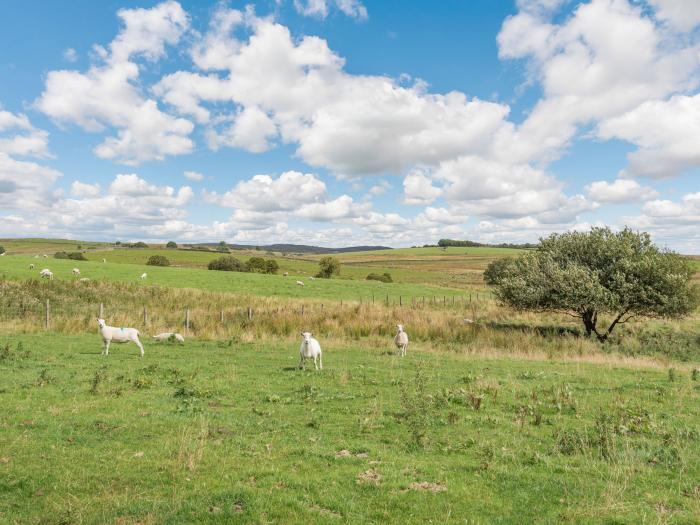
(543, 330)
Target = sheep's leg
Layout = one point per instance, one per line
(315, 362)
(320, 361)
(105, 350)
(302, 364)
(138, 343)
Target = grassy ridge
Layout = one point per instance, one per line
(222, 433)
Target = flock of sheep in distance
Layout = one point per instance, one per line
(310, 347)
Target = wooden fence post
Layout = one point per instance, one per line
(47, 320)
(222, 316)
(145, 315)
(250, 313)
(102, 311)
(400, 301)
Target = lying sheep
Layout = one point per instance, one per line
(83, 280)
(401, 340)
(118, 335)
(310, 349)
(169, 336)
(300, 283)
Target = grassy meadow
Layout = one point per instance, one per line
(229, 432)
(512, 418)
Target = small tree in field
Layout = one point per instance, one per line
(222, 247)
(586, 275)
(171, 244)
(328, 267)
(2, 250)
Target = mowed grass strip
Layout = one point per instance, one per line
(17, 267)
(227, 432)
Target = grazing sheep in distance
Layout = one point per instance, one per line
(83, 280)
(31, 266)
(285, 274)
(118, 335)
(46, 256)
(104, 260)
(310, 349)
(467, 321)
(76, 271)
(46, 273)
(167, 336)
(401, 340)
(143, 276)
(300, 283)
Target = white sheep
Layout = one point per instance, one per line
(76, 271)
(143, 276)
(36, 256)
(104, 260)
(118, 335)
(401, 340)
(313, 278)
(286, 274)
(310, 349)
(83, 280)
(300, 283)
(31, 266)
(46, 273)
(46, 256)
(166, 336)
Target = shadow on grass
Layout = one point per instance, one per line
(543, 331)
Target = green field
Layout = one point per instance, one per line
(231, 433)
(17, 267)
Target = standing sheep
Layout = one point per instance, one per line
(310, 349)
(300, 283)
(143, 276)
(401, 340)
(76, 272)
(104, 260)
(118, 335)
(31, 266)
(46, 274)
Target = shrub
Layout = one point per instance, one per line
(260, 265)
(139, 244)
(328, 267)
(496, 270)
(171, 244)
(222, 247)
(228, 263)
(76, 256)
(158, 260)
(383, 277)
(2, 250)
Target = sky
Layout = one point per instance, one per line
(349, 122)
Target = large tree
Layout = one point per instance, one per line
(328, 267)
(590, 274)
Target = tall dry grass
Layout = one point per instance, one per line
(74, 307)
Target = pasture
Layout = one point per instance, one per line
(512, 418)
(230, 432)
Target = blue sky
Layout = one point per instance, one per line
(341, 122)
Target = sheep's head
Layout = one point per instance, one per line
(306, 336)
(400, 327)
(101, 322)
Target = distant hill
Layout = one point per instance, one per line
(295, 248)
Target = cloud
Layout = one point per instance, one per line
(70, 55)
(193, 176)
(380, 188)
(682, 14)
(19, 137)
(320, 8)
(341, 208)
(107, 94)
(665, 132)
(620, 191)
(82, 190)
(418, 188)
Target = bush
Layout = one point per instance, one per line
(2, 250)
(158, 260)
(383, 277)
(227, 263)
(139, 244)
(496, 270)
(76, 256)
(171, 244)
(260, 265)
(328, 267)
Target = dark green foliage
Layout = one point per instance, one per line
(158, 260)
(139, 244)
(171, 244)
(76, 256)
(444, 243)
(328, 267)
(496, 269)
(383, 277)
(2, 249)
(228, 263)
(222, 247)
(600, 272)
(261, 265)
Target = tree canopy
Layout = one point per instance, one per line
(600, 272)
(328, 267)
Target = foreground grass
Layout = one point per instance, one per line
(229, 432)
